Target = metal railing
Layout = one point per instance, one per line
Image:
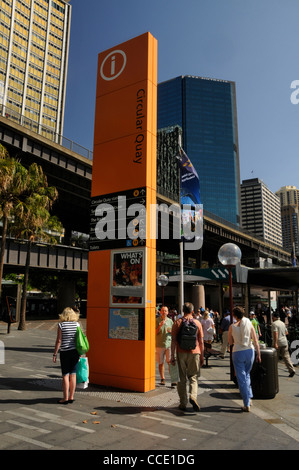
(44, 131)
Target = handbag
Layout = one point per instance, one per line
(82, 344)
(211, 330)
(82, 370)
(174, 372)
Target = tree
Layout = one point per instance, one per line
(3, 152)
(26, 199)
(13, 187)
(33, 222)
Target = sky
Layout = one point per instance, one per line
(254, 43)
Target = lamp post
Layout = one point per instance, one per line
(162, 281)
(230, 255)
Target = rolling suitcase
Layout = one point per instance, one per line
(264, 375)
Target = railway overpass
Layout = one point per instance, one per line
(69, 168)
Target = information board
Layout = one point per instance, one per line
(118, 220)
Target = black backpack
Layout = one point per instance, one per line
(187, 335)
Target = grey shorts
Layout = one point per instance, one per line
(162, 354)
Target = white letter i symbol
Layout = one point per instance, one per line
(113, 65)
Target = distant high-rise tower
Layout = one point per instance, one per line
(205, 109)
(289, 204)
(261, 211)
(34, 44)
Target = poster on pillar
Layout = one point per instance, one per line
(127, 277)
(121, 295)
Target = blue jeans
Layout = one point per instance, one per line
(243, 362)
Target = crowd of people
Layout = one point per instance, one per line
(243, 334)
(215, 327)
(181, 340)
(262, 319)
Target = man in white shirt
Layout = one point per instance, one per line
(279, 332)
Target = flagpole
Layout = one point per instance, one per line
(189, 187)
(181, 275)
(181, 255)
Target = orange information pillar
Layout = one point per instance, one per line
(122, 259)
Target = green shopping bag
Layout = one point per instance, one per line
(82, 344)
(82, 370)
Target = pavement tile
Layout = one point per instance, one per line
(30, 385)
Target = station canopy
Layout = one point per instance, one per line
(279, 278)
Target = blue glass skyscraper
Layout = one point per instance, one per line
(206, 111)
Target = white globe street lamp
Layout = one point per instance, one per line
(162, 281)
(230, 255)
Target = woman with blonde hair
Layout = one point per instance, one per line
(208, 327)
(69, 357)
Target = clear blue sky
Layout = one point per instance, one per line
(252, 42)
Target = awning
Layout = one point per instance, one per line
(218, 274)
(280, 278)
(275, 278)
(188, 278)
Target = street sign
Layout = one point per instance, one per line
(209, 274)
(239, 274)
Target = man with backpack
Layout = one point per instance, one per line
(187, 348)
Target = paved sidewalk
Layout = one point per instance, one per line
(116, 420)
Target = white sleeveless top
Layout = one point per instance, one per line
(242, 335)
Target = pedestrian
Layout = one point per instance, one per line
(199, 314)
(189, 360)
(163, 342)
(69, 357)
(217, 325)
(208, 327)
(255, 324)
(224, 327)
(280, 342)
(171, 314)
(241, 335)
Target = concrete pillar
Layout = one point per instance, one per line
(66, 293)
(246, 299)
(220, 300)
(198, 296)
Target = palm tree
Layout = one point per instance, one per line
(33, 222)
(3, 152)
(26, 198)
(13, 184)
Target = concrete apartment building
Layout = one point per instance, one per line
(260, 210)
(289, 203)
(34, 44)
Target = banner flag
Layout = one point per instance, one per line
(190, 192)
(293, 256)
(191, 207)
